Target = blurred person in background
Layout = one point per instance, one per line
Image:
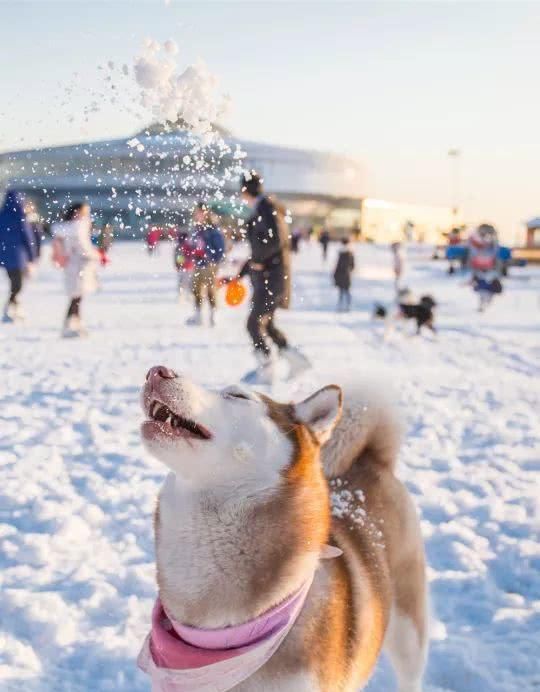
(104, 243)
(74, 253)
(398, 264)
(209, 252)
(184, 262)
(296, 237)
(35, 224)
(342, 275)
(455, 240)
(483, 259)
(324, 240)
(153, 236)
(18, 251)
(269, 271)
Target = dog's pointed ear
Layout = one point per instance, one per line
(321, 411)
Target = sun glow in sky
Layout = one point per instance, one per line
(396, 85)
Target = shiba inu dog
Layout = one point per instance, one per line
(260, 493)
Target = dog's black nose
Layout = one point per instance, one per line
(161, 371)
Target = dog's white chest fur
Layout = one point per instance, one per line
(209, 550)
(197, 549)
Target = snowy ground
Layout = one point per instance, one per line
(77, 491)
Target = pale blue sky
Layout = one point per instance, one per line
(393, 84)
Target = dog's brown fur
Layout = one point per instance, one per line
(382, 565)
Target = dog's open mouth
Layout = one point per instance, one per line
(175, 424)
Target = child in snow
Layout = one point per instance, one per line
(484, 264)
(342, 275)
(398, 262)
(104, 243)
(208, 253)
(74, 252)
(184, 261)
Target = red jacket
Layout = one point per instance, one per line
(184, 256)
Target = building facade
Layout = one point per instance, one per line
(150, 180)
(154, 179)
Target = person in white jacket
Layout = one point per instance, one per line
(74, 252)
(399, 264)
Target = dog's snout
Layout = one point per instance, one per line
(162, 372)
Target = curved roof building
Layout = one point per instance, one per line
(151, 179)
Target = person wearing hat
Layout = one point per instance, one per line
(268, 269)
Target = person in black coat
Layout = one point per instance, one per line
(342, 275)
(267, 269)
(324, 240)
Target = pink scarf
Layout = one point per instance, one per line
(180, 658)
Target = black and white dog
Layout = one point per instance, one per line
(422, 311)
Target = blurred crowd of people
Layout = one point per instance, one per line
(200, 251)
(21, 236)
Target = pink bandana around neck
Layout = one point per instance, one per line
(180, 658)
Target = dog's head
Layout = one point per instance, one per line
(379, 311)
(428, 302)
(212, 437)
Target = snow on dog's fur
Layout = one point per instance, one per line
(245, 516)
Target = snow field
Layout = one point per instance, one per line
(78, 491)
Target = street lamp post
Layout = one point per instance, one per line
(455, 155)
